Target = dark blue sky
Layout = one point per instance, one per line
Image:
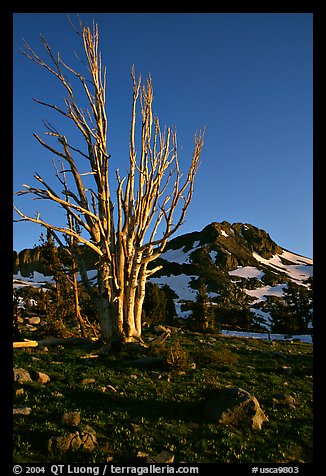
(246, 77)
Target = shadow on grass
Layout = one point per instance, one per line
(90, 401)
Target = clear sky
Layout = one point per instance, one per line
(246, 77)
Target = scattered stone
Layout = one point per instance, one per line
(22, 411)
(133, 376)
(21, 376)
(19, 392)
(87, 381)
(164, 457)
(280, 399)
(34, 320)
(58, 395)
(42, 377)
(71, 418)
(234, 406)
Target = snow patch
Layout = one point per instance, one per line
(179, 284)
(300, 270)
(260, 293)
(177, 256)
(260, 335)
(213, 255)
(247, 272)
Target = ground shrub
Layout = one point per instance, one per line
(214, 358)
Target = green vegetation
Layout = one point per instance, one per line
(146, 409)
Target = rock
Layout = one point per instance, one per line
(87, 381)
(34, 320)
(19, 392)
(234, 406)
(164, 457)
(280, 399)
(85, 439)
(21, 376)
(71, 418)
(42, 377)
(22, 411)
(88, 438)
(62, 444)
(58, 395)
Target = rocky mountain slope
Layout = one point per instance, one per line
(239, 264)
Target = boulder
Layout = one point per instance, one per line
(88, 438)
(21, 376)
(84, 438)
(235, 407)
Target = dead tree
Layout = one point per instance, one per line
(150, 201)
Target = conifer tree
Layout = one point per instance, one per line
(203, 316)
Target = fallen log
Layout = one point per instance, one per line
(26, 343)
(161, 338)
(53, 341)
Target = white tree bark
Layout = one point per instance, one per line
(150, 198)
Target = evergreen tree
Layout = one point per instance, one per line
(292, 314)
(158, 305)
(203, 316)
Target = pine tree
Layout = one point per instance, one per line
(158, 305)
(293, 313)
(203, 316)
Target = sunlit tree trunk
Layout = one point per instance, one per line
(151, 200)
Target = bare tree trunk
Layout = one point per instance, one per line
(78, 315)
(154, 195)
